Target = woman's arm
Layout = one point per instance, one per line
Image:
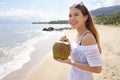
(86, 67)
(82, 66)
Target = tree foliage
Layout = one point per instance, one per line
(59, 22)
(110, 19)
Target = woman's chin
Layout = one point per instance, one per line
(73, 27)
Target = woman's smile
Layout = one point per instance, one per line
(74, 23)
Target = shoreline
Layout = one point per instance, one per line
(37, 57)
(27, 68)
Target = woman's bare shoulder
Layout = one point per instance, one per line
(88, 39)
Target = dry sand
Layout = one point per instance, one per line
(110, 38)
(53, 70)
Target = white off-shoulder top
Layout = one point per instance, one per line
(85, 54)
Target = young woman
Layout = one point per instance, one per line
(85, 55)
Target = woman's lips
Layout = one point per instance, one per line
(73, 23)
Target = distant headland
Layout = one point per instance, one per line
(52, 22)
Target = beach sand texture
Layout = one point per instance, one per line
(50, 69)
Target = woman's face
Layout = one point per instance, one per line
(76, 18)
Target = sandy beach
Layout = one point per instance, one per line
(49, 69)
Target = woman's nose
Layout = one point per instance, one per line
(71, 19)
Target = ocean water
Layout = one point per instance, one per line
(17, 43)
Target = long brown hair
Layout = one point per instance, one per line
(89, 23)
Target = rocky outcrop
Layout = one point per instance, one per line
(48, 29)
(55, 29)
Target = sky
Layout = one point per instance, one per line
(44, 10)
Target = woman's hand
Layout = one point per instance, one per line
(64, 39)
(68, 61)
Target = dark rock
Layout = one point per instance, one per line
(45, 29)
(55, 29)
(50, 29)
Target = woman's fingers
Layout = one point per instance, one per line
(64, 38)
(64, 61)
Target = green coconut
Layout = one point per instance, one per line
(61, 50)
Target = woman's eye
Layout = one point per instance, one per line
(69, 15)
(76, 15)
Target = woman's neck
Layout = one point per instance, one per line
(82, 30)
